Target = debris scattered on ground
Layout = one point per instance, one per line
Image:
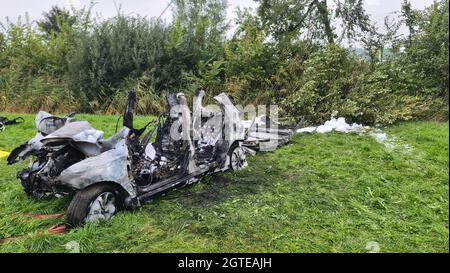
(340, 125)
(391, 142)
(5, 121)
(373, 247)
(61, 228)
(336, 124)
(306, 130)
(380, 137)
(72, 247)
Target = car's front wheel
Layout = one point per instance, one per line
(237, 158)
(98, 202)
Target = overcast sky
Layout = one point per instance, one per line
(378, 9)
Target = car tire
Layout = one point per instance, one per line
(237, 157)
(98, 202)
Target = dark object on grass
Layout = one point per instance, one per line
(6, 122)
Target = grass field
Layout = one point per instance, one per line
(321, 193)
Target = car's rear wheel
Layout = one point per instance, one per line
(98, 202)
(237, 158)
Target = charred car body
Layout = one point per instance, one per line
(127, 169)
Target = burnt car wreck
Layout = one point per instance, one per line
(69, 157)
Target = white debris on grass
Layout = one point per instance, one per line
(380, 137)
(306, 130)
(337, 124)
(391, 143)
(340, 125)
(373, 247)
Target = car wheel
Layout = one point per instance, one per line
(98, 202)
(237, 158)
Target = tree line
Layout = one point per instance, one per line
(292, 53)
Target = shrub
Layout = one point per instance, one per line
(117, 50)
(329, 77)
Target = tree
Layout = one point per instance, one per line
(250, 61)
(196, 38)
(117, 50)
(201, 23)
(382, 46)
(2, 42)
(314, 18)
(426, 59)
(54, 21)
(410, 19)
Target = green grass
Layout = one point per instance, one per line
(321, 193)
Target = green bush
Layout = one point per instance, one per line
(426, 60)
(118, 49)
(330, 75)
(377, 101)
(32, 70)
(68, 61)
(336, 82)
